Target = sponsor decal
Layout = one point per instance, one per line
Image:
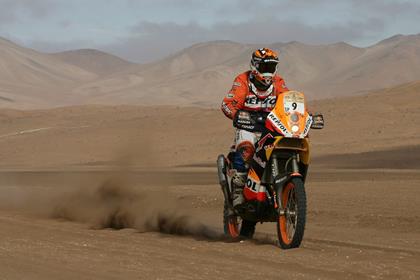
(269, 147)
(230, 95)
(294, 96)
(244, 115)
(236, 84)
(226, 109)
(251, 184)
(278, 124)
(254, 102)
(280, 180)
(251, 127)
(262, 141)
(242, 121)
(260, 161)
(307, 126)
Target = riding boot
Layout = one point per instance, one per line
(238, 183)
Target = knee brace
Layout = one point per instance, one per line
(246, 150)
(242, 156)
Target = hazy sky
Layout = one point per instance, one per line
(147, 30)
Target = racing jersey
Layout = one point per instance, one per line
(241, 96)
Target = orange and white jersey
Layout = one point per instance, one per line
(242, 97)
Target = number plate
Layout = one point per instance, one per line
(294, 102)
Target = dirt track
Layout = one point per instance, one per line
(361, 225)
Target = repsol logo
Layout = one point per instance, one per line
(308, 125)
(251, 185)
(253, 101)
(277, 123)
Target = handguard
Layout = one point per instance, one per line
(250, 121)
(317, 121)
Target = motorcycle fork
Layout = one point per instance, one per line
(295, 165)
(274, 174)
(279, 182)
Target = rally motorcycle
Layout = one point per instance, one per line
(281, 197)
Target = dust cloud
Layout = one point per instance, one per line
(114, 202)
(116, 199)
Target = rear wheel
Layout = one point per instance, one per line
(235, 227)
(291, 225)
(231, 223)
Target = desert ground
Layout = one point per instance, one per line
(172, 229)
(107, 168)
(131, 192)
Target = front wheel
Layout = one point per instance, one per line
(291, 223)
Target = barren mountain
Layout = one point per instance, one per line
(94, 61)
(28, 66)
(199, 75)
(203, 73)
(390, 62)
(190, 77)
(29, 78)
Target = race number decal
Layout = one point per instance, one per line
(294, 102)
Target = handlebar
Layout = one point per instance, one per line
(255, 121)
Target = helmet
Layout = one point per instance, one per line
(263, 66)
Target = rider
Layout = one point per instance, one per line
(254, 92)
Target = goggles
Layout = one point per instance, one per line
(269, 67)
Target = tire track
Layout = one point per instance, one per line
(362, 246)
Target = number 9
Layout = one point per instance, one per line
(294, 105)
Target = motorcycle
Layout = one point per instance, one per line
(281, 198)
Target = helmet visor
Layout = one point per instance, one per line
(267, 67)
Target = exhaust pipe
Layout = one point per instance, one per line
(221, 171)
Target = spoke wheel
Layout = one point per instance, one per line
(291, 223)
